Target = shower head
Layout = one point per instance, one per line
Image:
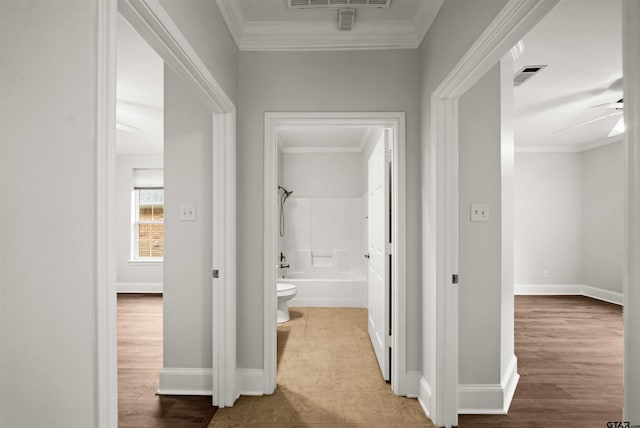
(287, 193)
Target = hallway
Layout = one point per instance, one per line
(327, 376)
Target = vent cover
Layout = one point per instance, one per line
(527, 72)
(346, 18)
(313, 4)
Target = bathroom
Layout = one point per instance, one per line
(322, 236)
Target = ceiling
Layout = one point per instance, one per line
(139, 94)
(270, 25)
(581, 42)
(324, 139)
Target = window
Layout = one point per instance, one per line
(148, 216)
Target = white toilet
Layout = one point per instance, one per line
(286, 292)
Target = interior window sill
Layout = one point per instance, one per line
(145, 262)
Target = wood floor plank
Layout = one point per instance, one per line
(569, 351)
(139, 363)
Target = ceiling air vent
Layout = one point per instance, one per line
(312, 4)
(527, 72)
(346, 18)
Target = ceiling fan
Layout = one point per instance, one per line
(618, 106)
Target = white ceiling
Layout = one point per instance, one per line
(270, 25)
(324, 139)
(581, 42)
(140, 94)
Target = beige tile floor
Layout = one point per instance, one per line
(327, 376)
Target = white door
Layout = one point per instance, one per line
(379, 263)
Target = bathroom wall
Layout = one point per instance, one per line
(323, 234)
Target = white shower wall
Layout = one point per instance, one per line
(323, 237)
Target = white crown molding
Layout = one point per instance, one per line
(569, 148)
(326, 149)
(306, 36)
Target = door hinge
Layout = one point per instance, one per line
(216, 273)
(388, 248)
(387, 341)
(454, 278)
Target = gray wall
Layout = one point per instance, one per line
(320, 81)
(47, 217)
(188, 248)
(569, 217)
(548, 218)
(323, 175)
(202, 24)
(603, 217)
(480, 265)
(456, 27)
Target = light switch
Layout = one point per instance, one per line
(188, 213)
(479, 212)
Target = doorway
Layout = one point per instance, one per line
(393, 126)
(152, 22)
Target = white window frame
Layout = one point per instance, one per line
(135, 258)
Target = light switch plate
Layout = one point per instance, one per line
(188, 213)
(479, 212)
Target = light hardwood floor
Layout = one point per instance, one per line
(139, 363)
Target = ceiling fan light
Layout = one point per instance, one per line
(618, 129)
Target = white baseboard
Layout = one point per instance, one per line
(185, 381)
(412, 383)
(489, 399)
(604, 295)
(250, 381)
(328, 302)
(569, 289)
(139, 287)
(424, 396)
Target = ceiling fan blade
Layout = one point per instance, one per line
(617, 105)
(588, 122)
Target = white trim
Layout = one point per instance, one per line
(512, 23)
(490, 399)
(413, 378)
(631, 270)
(106, 303)
(326, 149)
(392, 120)
(425, 396)
(307, 36)
(185, 381)
(155, 25)
(569, 290)
(333, 302)
(139, 287)
(572, 148)
(251, 381)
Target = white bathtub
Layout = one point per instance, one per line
(328, 292)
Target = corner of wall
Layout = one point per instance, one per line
(490, 399)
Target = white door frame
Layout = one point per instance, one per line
(155, 25)
(394, 120)
(511, 24)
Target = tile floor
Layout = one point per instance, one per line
(327, 375)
